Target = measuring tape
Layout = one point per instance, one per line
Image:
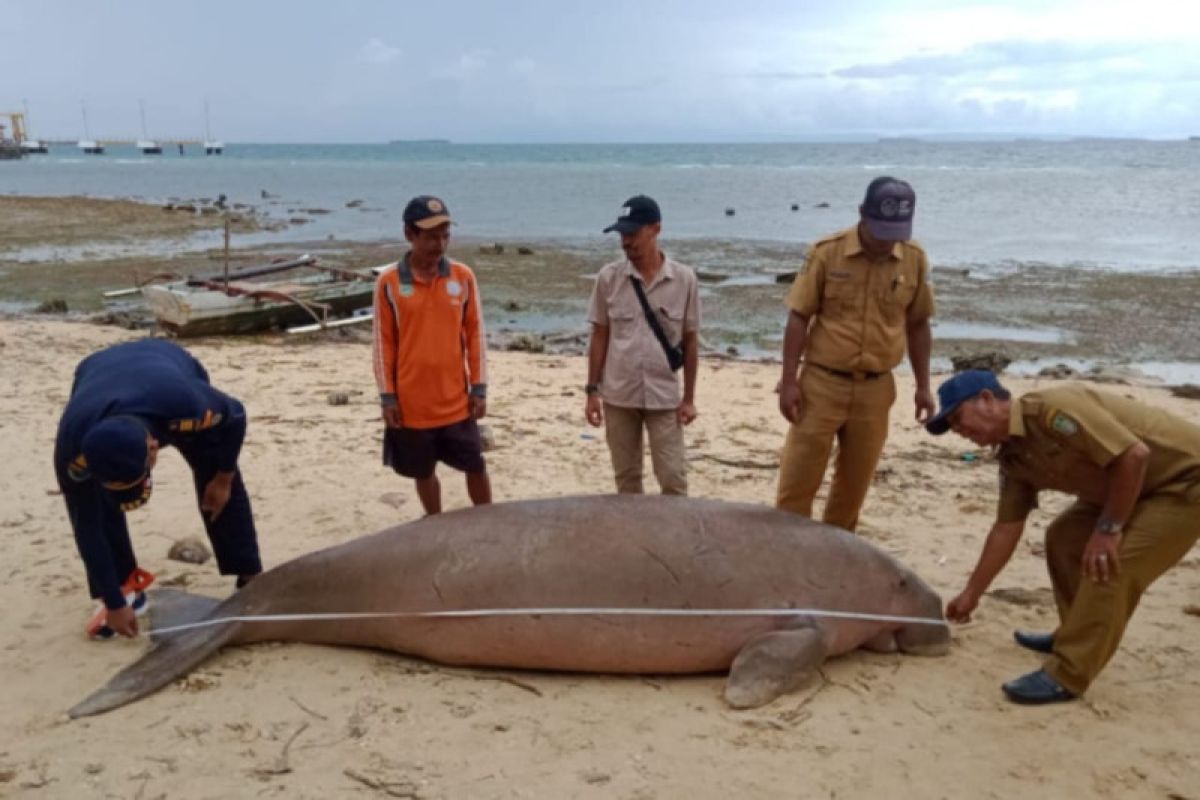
(556, 612)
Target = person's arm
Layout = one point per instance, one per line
(795, 340)
(997, 550)
(384, 354)
(86, 513)
(597, 353)
(473, 332)
(920, 343)
(919, 334)
(1126, 474)
(691, 362)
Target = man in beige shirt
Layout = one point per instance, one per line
(862, 298)
(631, 382)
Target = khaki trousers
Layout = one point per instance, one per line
(623, 430)
(1092, 615)
(855, 412)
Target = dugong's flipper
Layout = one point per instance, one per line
(774, 664)
(170, 658)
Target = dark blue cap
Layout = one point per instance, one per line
(637, 212)
(887, 209)
(957, 390)
(116, 452)
(426, 211)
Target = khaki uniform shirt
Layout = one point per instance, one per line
(636, 372)
(859, 308)
(1064, 438)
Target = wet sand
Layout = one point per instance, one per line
(1036, 314)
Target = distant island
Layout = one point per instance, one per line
(419, 141)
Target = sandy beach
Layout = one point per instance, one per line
(288, 720)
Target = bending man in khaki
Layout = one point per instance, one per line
(1135, 473)
(863, 294)
(637, 345)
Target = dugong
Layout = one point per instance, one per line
(670, 578)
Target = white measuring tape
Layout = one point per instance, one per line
(557, 612)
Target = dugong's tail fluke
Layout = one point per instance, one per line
(172, 658)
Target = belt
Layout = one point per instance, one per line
(850, 375)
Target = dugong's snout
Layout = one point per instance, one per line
(924, 637)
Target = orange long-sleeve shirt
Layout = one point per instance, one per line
(430, 347)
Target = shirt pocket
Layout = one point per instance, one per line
(841, 299)
(671, 320)
(894, 297)
(624, 324)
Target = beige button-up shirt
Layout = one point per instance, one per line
(636, 372)
(1064, 438)
(861, 308)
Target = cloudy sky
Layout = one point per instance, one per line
(612, 70)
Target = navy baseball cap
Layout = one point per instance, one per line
(117, 455)
(637, 212)
(426, 211)
(887, 209)
(957, 390)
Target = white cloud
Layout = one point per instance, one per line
(376, 52)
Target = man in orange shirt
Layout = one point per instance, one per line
(431, 359)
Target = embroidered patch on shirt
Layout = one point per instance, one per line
(209, 420)
(1063, 424)
(453, 288)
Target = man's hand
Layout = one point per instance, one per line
(686, 412)
(123, 620)
(216, 495)
(478, 407)
(959, 609)
(594, 410)
(1101, 557)
(791, 402)
(391, 416)
(926, 407)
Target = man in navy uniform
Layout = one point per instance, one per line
(127, 402)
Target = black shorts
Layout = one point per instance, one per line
(414, 452)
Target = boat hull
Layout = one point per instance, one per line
(186, 312)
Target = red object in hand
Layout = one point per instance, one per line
(137, 582)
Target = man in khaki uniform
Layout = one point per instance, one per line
(631, 381)
(862, 296)
(1135, 473)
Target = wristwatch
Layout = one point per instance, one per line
(591, 388)
(1109, 527)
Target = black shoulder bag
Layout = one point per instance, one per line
(674, 352)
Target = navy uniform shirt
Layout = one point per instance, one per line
(166, 388)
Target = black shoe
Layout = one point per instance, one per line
(1035, 689)
(1038, 642)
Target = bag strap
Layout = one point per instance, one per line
(653, 320)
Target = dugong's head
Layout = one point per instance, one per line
(914, 598)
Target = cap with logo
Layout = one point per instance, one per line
(957, 390)
(426, 212)
(887, 209)
(637, 212)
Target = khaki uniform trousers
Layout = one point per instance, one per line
(623, 430)
(1093, 615)
(855, 412)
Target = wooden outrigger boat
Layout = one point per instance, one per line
(236, 303)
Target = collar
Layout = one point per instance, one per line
(1016, 419)
(665, 273)
(406, 274)
(854, 246)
